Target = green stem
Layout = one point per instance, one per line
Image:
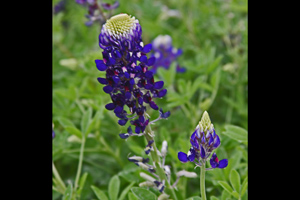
(79, 163)
(156, 161)
(202, 182)
(56, 174)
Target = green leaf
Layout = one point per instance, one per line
(85, 121)
(236, 133)
(235, 180)
(74, 131)
(143, 194)
(244, 186)
(226, 186)
(99, 193)
(125, 191)
(214, 198)
(235, 194)
(81, 183)
(132, 196)
(68, 193)
(113, 187)
(225, 195)
(65, 122)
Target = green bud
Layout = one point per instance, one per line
(205, 121)
(163, 197)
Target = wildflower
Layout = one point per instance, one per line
(128, 80)
(204, 140)
(165, 53)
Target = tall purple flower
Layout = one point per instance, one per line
(203, 141)
(128, 80)
(165, 53)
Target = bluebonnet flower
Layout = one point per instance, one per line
(128, 80)
(95, 12)
(204, 140)
(165, 53)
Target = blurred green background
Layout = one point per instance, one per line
(214, 38)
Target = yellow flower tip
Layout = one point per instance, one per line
(205, 122)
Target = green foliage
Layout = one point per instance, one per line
(213, 36)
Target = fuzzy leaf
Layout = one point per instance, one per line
(244, 186)
(113, 187)
(235, 180)
(226, 186)
(99, 193)
(74, 131)
(236, 133)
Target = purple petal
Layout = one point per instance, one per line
(131, 81)
(116, 79)
(211, 140)
(214, 160)
(127, 95)
(182, 157)
(223, 163)
(153, 105)
(142, 119)
(118, 109)
(129, 130)
(140, 100)
(158, 85)
(137, 129)
(112, 61)
(162, 93)
(124, 135)
(148, 86)
(108, 89)
(110, 106)
(148, 74)
(202, 152)
(191, 155)
(122, 122)
(217, 142)
(102, 80)
(147, 48)
(100, 65)
(108, 6)
(151, 61)
(166, 115)
(143, 59)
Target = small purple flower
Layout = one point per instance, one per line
(203, 141)
(215, 163)
(165, 53)
(128, 80)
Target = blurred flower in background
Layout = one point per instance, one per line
(60, 6)
(165, 53)
(95, 11)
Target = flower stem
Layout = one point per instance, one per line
(202, 181)
(156, 163)
(79, 163)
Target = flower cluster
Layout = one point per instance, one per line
(204, 140)
(95, 12)
(128, 81)
(165, 53)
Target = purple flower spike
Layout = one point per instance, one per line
(182, 157)
(127, 79)
(203, 141)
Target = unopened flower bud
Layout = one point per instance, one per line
(164, 148)
(147, 184)
(186, 174)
